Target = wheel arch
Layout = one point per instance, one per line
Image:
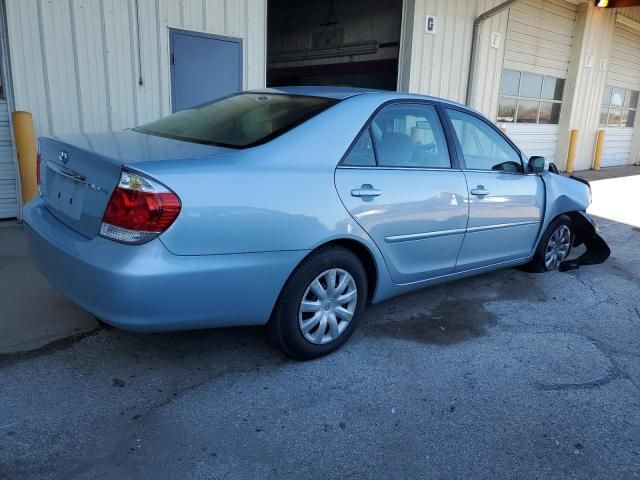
(360, 250)
(364, 255)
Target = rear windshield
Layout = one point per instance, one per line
(239, 121)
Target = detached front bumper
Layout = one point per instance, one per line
(147, 288)
(587, 233)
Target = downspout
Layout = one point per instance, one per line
(475, 42)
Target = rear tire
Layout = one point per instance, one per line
(320, 305)
(554, 247)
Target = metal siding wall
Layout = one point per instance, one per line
(120, 64)
(92, 78)
(439, 64)
(75, 63)
(28, 68)
(486, 90)
(60, 58)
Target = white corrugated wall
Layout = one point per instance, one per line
(439, 63)
(75, 63)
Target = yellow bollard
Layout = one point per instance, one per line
(571, 154)
(599, 147)
(27, 153)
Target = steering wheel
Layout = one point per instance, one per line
(508, 166)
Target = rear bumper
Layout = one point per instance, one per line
(147, 288)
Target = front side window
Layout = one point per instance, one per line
(529, 98)
(619, 106)
(410, 135)
(483, 148)
(239, 121)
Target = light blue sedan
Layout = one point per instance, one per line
(294, 207)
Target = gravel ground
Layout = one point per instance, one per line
(505, 375)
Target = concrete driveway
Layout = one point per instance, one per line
(506, 375)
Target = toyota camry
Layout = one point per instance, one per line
(294, 208)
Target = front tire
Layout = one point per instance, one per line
(321, 304)
(554, 246)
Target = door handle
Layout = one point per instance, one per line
(366, 191)
(479, 191)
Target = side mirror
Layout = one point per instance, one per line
(536, 164)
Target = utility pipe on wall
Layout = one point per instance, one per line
(475, 42)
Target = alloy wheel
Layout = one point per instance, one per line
(557, 247)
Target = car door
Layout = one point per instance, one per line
(505, 203)
(400, 183)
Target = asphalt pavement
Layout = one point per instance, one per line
(504, 375)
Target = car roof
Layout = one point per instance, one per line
(341, 93)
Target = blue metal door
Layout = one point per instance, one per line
(203, 67)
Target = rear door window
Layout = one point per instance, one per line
(410, 135)
(239, 121)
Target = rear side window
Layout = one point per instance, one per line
(239, 121)
(482, 147)
(410, 135)
(361, 155)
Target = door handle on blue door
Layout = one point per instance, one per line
(366, 190)
(479, 191)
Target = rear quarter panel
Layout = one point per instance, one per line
(277, 196)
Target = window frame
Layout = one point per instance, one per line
(518, 97)
(442, 117)
(458, 146)
(609, 108)
(352, 146)
(331, 102)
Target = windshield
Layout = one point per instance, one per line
(239, 121)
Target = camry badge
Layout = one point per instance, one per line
(63, 157)
(97, 188)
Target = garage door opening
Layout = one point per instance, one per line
(326, 42)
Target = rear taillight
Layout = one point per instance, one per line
(139, 210)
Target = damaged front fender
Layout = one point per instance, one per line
(571, 196)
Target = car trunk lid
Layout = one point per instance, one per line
(78, 173)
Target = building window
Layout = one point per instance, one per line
(619, 106)
(529, 98)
